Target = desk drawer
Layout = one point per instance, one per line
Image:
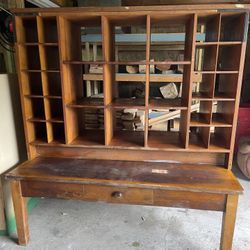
(87, 192)
(118, 194)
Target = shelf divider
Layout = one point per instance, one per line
(190, 40)
(146, 115)
(108, 45)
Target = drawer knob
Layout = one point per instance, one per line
(116, 194)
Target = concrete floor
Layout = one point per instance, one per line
(63, 224)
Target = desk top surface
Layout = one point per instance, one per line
(156, 175)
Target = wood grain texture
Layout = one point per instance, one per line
(228, 223)
(166, 176)
(21, 213)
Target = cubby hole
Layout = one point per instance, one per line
(128, 94)
(166, 128)
(229, 58)
(58, 133)
(89, 125)
(223, 113)
(33, 58)
(40, 131)
(208, 28)
(201, 113)
(52, 58)
(30, 29)
(37, 105)
(205, 58)
(232, 27)
(56, 109)
(199, 137)
(54, 83)
(32, 83)
(220, 138)
(91, 40)
(168, 34)
(226, 86)
(50, 30)
(165, 92)
(87, 88)
(127, 127)
(131, 29)
(203, 88)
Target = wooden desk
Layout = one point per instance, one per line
(129, 182)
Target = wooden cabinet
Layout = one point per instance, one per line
(54, 75)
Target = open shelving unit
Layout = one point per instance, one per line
(56, 77)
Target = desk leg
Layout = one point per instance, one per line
(21, 214)
(228, 223)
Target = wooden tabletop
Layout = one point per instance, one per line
(157, 175)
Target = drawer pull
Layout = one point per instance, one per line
(116, 194)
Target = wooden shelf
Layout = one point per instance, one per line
(163, 139)
(125, 77)
(198, 120)
(89, 138)
(52, 90)
(39, 70)
(84, 62)
(166, 104)
(221, 43)
(137, 103)
(87, 103)
(128, 139)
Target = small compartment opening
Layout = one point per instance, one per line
(201, 113)
(205, 58)
(30, 29)
(232, 27)
(54, 83)
(229, 58)
(50, 30)
(166, 128)
(203, 88)
(226, 86)
(56, 109)
(40, 131)
(208, 28)
(37, 105)
(128, 127)
(90, 126)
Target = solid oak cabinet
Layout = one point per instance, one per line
(77, 106)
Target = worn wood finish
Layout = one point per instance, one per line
(21, 213)
(130, 173)
(111, 164)
(229, 218)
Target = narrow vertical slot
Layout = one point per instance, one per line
(220, 138)
(225, 86)
(203, 87)
(225, 55)
(70, 49)
(199, 137)
(26, 27)
(201, 114)
(50, 30)
(232, 26)
(208, 28)
(223, 113)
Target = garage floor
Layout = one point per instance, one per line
(63, 224)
